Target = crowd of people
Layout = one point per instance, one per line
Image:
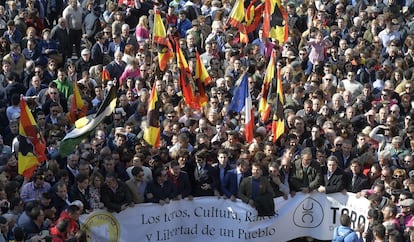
(347, 74)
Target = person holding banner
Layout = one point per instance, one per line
(334, 179)
(306, 174)
(257, 192)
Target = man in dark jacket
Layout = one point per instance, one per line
(116, 196)
(334, 179)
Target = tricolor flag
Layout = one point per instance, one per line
(264, 106)
(185, 79)
(243, 101)
(84, 126)
(275, 21)
(236, 15)
(163, 44)
(32, 145)
(152, 130)
(278, 124)
(203, 79)
(78, 109)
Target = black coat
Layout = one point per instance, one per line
(336, 182)
(114, 200)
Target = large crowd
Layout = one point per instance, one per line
(347, 74)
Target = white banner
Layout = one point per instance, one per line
(213, 219)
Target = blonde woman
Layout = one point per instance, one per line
(141, 31)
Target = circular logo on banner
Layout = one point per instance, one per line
(102, 227)
(308, 214)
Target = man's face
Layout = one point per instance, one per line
(306, 160)
(256, 171)
(109, 165)
(355, 168)
(111, 182)
(139, 177)
(346, 148)
(73, 161)
(175, 171)
(62, 191)
(83, 185)
(61, 75)
(332, 166)
(222, 158)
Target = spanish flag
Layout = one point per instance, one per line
(152, 130)
(185, 79)
(32, 145)
(78, 109)
(275, 21)
(278, 124)
(163, 44)
(253, 16)
(203, 79)
(105, 76)
(264, 106)
(236, 15)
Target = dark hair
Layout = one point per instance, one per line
(62, 225)
(72, 209)
(136, 170)
(81, 177)
(18, 234)
(345, 220)
(379, 230)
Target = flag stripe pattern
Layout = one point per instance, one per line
(32, 145)
(152, 131)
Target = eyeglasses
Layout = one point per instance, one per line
(105, 32)
(339, 144)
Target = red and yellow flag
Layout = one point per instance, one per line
(78, 109)
(163, 44)
(105, 76)
(32, 145)
(152, 131)
(236, 15)
(254, 14)
(186, 80)
(264, 107)
(203, 79)
(278, 124)
(275, 21)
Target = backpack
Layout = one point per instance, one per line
(341, 238)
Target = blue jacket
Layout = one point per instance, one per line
(352, 237)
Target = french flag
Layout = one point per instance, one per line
(243, 101)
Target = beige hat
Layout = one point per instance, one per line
(409, 202)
